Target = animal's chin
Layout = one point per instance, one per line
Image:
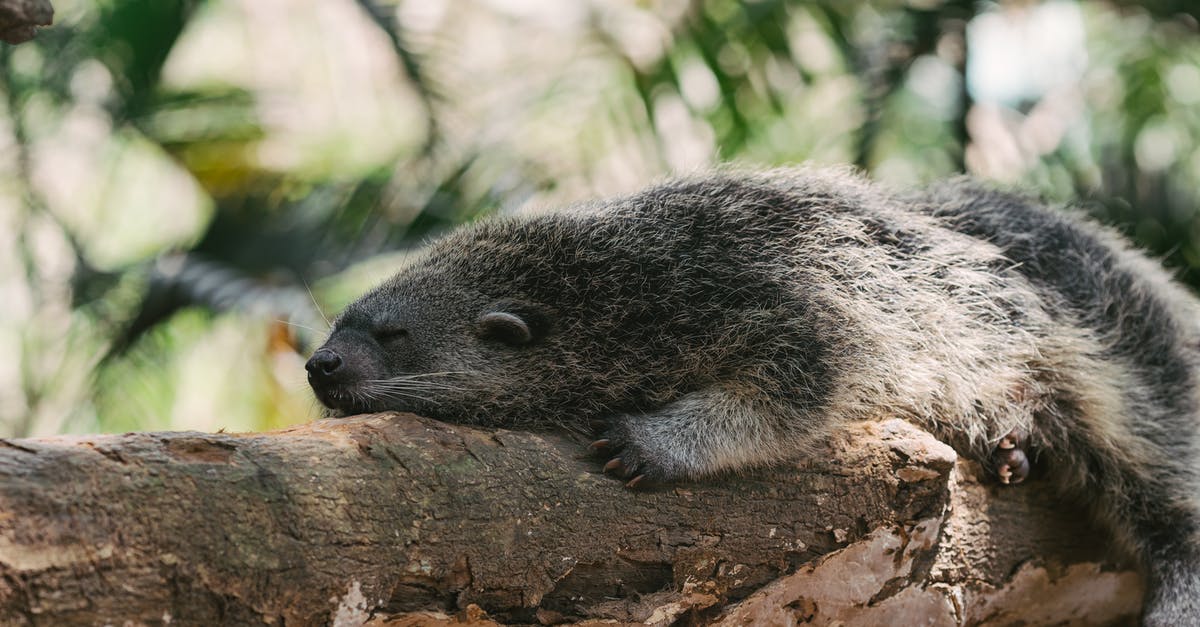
(340, 402)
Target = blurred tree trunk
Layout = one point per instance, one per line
(395, 519)
(19, 19)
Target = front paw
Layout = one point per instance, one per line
(632, 461)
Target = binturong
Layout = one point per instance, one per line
(730, 320)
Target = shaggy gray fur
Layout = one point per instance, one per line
(725, 321)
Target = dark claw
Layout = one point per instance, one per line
(625, 460)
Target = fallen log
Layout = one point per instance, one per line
(395, 519)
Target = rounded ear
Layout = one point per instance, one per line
(505, 327)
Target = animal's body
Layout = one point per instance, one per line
(726, 321)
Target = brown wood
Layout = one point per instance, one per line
(403, 520)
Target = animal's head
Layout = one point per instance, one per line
(557, 318)
(465, 334)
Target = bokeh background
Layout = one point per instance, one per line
(187, 189)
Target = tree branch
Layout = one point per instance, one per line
(19, 19)
(392, 516)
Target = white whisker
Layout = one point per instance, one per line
(401, 382)
(384, 395)
(316, 305)
(296, 324)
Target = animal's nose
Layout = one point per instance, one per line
(324, 362)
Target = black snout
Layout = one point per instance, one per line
(323, 363)
(341, 371)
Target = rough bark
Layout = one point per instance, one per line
(400, 520)
(19, 19)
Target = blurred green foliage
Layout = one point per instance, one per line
(176, 213)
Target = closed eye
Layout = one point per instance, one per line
(390, 334)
